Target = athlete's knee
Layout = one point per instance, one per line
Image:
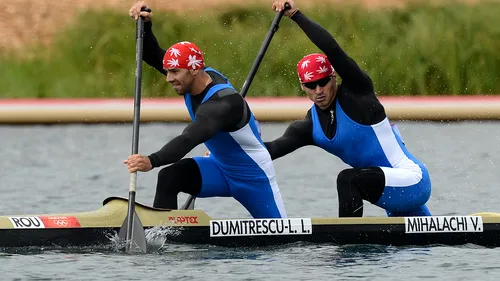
(350, 198)
(344, 179)
(368, 182)
(352, 178)
(167, 181)
(183, 176)
(346, 190)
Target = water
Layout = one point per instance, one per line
(73, 168)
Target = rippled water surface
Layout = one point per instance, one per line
(57, 169)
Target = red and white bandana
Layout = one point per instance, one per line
(313, 67)
(183, 55)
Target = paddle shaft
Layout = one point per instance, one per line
(135, 133)
(253, 71)
(262, 51)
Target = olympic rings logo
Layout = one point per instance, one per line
(61, 222)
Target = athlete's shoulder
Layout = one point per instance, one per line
(348, 90)
(226, 93)
(303, 123)
(227, 97)
(220, 84)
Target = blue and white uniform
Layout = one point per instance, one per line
(407, 187)
(349, 121)
(240, 166)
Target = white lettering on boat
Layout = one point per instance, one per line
(26, 222)
(443, 224)
(254, 227)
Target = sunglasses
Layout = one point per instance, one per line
(321, 82)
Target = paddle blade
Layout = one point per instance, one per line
(138, 236)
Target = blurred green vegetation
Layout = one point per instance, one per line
(420, 50)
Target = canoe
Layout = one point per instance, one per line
(197, 227)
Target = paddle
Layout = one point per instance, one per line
(132, 229)
(189, 205)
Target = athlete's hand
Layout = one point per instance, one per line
(136, 162)
(207, 153)
(135, 11)
(279, 5)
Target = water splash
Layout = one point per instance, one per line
(156, 237)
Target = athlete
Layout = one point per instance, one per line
(239, 164)
(348, 121)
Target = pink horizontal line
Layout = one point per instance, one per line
(255, 100)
